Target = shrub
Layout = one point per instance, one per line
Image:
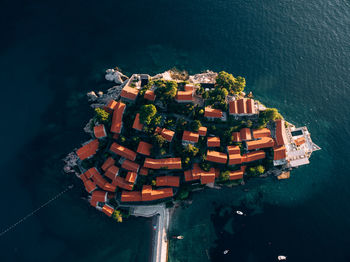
(225, 175)
(195, 125)
(101, 115)
(117, 216)
(147, 112)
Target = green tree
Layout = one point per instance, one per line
(153, 183)
(225, 80)
(196, 124)
(270, 114)
(101, 115)
(166, 90)
(225, 175)
(260, 169)
(191, 150)
(147, 112)
(117, 215)
(239, 85)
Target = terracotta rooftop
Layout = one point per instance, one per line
(91, 172)
(202, 131)
(245, 134)
(109, 187)
(264, 142)
(100, 131)
(131, 166)
(144, 148)
(123, 151)
(110, 106)
(198, 173)
(109, 162)
(213, 141)
(211, 112)
(234, 159)
(131, 196)
(242, 106)
(279, 152)
(88, 150)
(112, 172)
(264, 132)
(190, 136)
(117, 123)
(122, 183)
(280, 137)
(99, 196)
(167, 134)
(184, 96)
(97, 178)
(137, 124)
(150, 95)
(233, 150)
(108, 210)
(299, 141)
(189, 87)
(236, 137)
(89, 186)
(129, 92)
(217, 157)
(149, 194)
(131, 177)
(169, 163)
(253, 156)
(168, 181)
(236, 175)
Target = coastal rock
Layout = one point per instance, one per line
(114, 76)
(92, 96)
(207, 77)
(89, 127)
(70, 162)
(100, 93)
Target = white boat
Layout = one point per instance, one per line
(178, 237)
(282, 258)
(239, 213)
(226, 251)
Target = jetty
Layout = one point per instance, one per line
(160, 239)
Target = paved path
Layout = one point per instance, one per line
(160, 245)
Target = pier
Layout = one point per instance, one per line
(160, 239)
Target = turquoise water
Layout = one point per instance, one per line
(294, 55)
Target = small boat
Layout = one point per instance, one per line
(225, 251)
(239, 213)
(178, 237)
(282, 258)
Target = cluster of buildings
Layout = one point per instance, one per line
(105, 182)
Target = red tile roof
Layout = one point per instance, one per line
(91, 172)
(150, 95)
(131, 177)
(234, 159)
(117, 118)
(280, 132)
(88, 150)
(149, 194)
(198, 173)
(252, 156)
(83, 177)
(129, 92)
(299, 141)
(264, 132)
(131, 166)
(213, 141)
(236, 175)
(89, 186)
(110, 106)
(122, 183)
(109, 162)
(98, 179)
(100, 131)
(279, 152)
(99, 196)
(167, 134)
(245, 134)
(143, 171)
(264, 142)
(202, 131)
(242, 106)
(108, 210)
(123, 151)
(137, 124)
(144, 148)
(109, 187)
(211, 112)
(168, 181)
(189, 87)
(169, 163)
(236, 137)
(208, 177)
(112, 172)
(184, 96)
(233, 150)
(190, 136)
(217, 157)
(131, 196)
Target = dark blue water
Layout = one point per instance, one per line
(294, 55)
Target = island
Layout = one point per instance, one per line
(156, 139)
